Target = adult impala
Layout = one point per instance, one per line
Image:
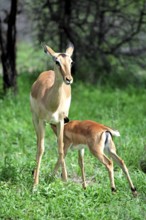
(98, 138)
(50, 102)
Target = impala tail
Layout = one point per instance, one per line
(114, 132)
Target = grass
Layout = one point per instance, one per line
(124, 110)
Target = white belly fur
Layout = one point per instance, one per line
(63, 109)
(78, 146)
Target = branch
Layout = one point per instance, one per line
(135, 32)
(132, 52)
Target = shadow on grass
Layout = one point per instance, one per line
(14, 174)
(8, 173)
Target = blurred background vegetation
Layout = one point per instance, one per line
(109, 39)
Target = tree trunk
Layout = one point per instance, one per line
(8, 49)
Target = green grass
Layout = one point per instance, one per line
(124, 110)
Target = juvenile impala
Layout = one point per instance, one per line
(98, 138)
(50, 102)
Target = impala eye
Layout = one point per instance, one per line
(57, 63)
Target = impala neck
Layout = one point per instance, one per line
(57, 92)
(58, 78)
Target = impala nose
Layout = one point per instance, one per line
(68, 81)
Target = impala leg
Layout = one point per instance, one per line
(81, 164)
(35, 123)
(61, 160)
(40, 149)
(57, 165)
(108, 164)
(121, 163)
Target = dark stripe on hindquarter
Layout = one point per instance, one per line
(107, 136)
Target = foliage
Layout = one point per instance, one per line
(121, 109)
(103, 32)
(32, 60)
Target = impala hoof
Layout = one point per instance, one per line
(113, 190)
(35, 188)
(134, 192)
(84, 185)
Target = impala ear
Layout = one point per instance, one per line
(70, 49)
(49, 51)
